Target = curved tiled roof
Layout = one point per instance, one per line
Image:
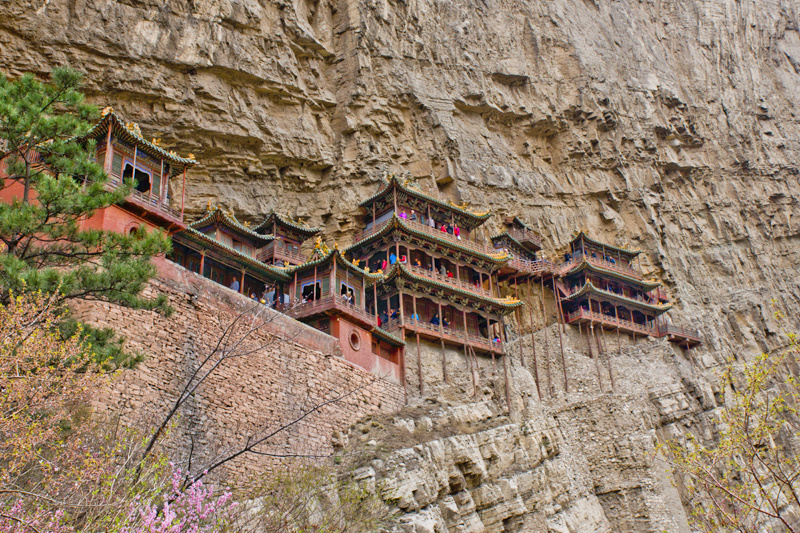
(648, 285)
(372, 276)
(475, 218)
(586, 237)
(398, 270)
(283, 221)
(217, 215)
(509, 237)
(385, 335)
(589, 287)
(397, 223)
(193, 234)
(130, 132)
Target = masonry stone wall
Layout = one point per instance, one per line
(278, 370)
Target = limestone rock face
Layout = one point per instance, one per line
(672, 126)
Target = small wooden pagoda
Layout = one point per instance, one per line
(600, 287)
(157, 199)
(287, 238)
(334, 295)
(441, 282)
(221, 248)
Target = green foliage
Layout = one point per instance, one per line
(45, 248)
(750, 477)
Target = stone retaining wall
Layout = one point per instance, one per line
(286, 369)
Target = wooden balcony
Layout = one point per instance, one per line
(568, 292)
(526, 266)
(602, 263)
(147, 201)
(461, 284)
(681, 335)
(449, 334)
(280, 251)
(417, 226)
(525, 236)
(330, 305)
(581, 316)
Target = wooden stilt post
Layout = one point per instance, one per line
(444, 363)
(508, 383)
(419, 364)
(419, 352)
(608, 359)
(533, 341)
(560, 319)
(518, 314)
(596, 359)
(546, 345)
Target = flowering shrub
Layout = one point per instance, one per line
(194, 509)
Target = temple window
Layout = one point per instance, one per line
(307, 291)
(141, 177)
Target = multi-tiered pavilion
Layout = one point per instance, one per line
(600, 287)
(440, 279)
(286, 238)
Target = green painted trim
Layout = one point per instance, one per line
(192, 234)
(385, 335)
(397, 223)
(632, 253)
(394, 181)
(219, 216)
(400, 270)
(101, 128)
(589, 287)
(288, 223)
(649, 285)
(370, 276)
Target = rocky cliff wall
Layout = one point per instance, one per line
(667, 125)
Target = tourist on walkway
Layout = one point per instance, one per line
(443, 270)
(392, 258)
(457, 233)
(431, 223)
(403, 215)
(413, 216)
(383, 265)
(435, 319)
(235, 285)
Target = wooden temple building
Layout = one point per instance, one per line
(224, 250)
(286, 237)
(417, 271)
(600, 288)
(439, 281)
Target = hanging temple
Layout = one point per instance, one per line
(417, 271)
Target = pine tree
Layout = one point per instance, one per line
(42, 147)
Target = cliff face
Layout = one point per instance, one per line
(668, 125)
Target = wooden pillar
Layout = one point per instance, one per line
(518, 314)
(441, 319)
(241, 285)
(400, 312)
(596, 359)
(419, 365)
(608, 359)
(375, 299)
(444, 363)
(314, 287)
(546, 345)
(202, 262)
(135, 152)
(183, 192)
(508, 384)
(109, 151)
(560, 318)
(491, 288)
(533, 341)
(419, 353)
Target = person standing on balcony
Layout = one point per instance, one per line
(443, 270)
(435, 319)
(457, 233)
(443, 228)
(383, 265)
(449, 229)
(403, 215)
(413, 216)
(417, 263)
(431, 223)
(392, 258)
(235, 285)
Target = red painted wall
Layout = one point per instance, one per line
(361, 354)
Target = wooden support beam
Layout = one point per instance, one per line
(533, 341)
(546, 345)
(559, 319)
